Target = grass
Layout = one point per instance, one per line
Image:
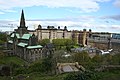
(46, 77)
(12, 59)
(107, 75)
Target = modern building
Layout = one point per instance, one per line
(105, 41)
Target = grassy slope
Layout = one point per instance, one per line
(115, 75)
(13, 59)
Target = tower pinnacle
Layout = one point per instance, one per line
(22, 20)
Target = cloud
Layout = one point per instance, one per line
(116, 27)
(9, 10)
(1, 12)
(77, 19)
(71, 25)
(113, 17)
(117, 3)
(83, 5)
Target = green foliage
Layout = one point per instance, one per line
(67, 43)
(74, 41)
(106, 59)
(43, 42)
(115, 59)
(107, 75)
(59, 42)
(1, 42)
(44, 65)
(11, 60)
(3, 37)
(42, 76)
(97, 58)
(80, 76)
(82, 57)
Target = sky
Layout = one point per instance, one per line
(98, 15)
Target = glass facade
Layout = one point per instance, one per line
(116, 36)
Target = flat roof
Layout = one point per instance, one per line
(22, 44)
(34, 47)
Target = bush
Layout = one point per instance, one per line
(87, 75)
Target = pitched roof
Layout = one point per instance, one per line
(18, 36)
(22, 20)
(33, 47)
(22, 44)
(26, 36)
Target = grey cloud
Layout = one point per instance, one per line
(113, 17)
(117, 3)
(76, 19)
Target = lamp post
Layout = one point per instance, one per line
(109, 42)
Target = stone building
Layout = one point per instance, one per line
(80, 37)
(52, 33)
(24, 44)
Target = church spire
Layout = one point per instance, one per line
(22, 20)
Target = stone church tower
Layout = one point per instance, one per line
(22, 29)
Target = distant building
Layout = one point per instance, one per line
(80, 37)
(100, 40)
(116, 36)
(105, 41)
(52, 33)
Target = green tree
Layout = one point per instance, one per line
(43, 42)
(45, 65)
(66, 43)
(115, 59)
(69, 44)
(87, 75)
(59, 43)
(82, 57)
(97, 59)
(106, 59)
(3, 37)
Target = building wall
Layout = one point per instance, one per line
(53, 33)
(59, 34)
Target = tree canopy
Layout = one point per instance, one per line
(43, 42)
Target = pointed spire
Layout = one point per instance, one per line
(22, 20)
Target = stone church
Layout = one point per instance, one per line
(24, 44)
